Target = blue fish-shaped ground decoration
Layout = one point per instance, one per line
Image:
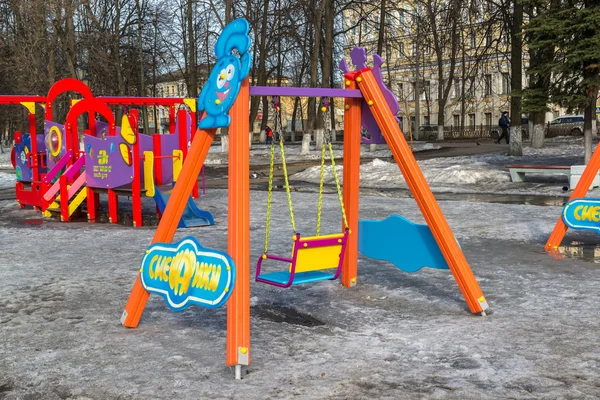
(407, 245)
(223, 84)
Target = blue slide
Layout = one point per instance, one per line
(192, 215)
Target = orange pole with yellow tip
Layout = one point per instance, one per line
(238, 305)
(560, 229)
(351, 194)
(170, 219)
(420, 189)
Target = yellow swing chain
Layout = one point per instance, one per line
(269, 197)
(327, 116)
(279, 128)
(321, 181)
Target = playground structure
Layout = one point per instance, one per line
(579, 213)
(360, 86)
(60, 170)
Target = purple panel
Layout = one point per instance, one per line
(105, 166)
(303, 92)
(102, 129)
(22, 150)
(51, 160)
(359, 59)
(168, 143)
(41, 144)
(146, 144)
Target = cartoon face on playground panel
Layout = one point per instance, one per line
(223, 85)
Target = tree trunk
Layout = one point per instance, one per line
(516, 66)
(141, 63)
(381, 36)
(314, 74)
(537, 136)
(193, 69)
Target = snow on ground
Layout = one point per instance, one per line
(7, 180)
(393, 336)
(5, 159)
(483, 173)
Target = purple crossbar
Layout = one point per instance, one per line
(74, 169)
(303, 92)
(318, 242)
(57, 167)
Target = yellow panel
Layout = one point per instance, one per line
(318, 258)
(77, 201)
(177, 163)
(191, 103)
(30, 106)
(127, 132)
(149, 173)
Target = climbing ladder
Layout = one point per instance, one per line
(59, 195)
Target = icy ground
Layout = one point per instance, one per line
(481, 173)
(394, 336)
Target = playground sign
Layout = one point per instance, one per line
(583, 214)
(186, 273)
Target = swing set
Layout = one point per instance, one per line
(311, 255)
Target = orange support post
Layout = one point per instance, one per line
(238, 306)
(351, 183)
(168, 224)
(418, 185)
(560, 229)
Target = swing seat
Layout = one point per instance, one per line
(310, 257)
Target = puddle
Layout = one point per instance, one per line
(582, 251)
(34, 222)
(281, 314)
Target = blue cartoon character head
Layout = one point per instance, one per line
(223, 85)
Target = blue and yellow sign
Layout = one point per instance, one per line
(582, 214)
(186, 273)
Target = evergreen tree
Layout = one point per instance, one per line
(574, 33)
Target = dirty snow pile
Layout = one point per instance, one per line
(480, 173)
(437, 171)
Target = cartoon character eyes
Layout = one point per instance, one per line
(230, 71)
(221, 78)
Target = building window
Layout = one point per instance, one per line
(488, 119)
(427, 50)
(472, 121)
(505, 83)
(473, 40)
(488, 85)
(414, 89)
(413, 48)
(401, 49)
(427, 89)
(427, 120)
(488, 38)
(456, 120)
(401, 90)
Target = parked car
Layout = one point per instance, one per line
(565, 125)
(428, 132)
